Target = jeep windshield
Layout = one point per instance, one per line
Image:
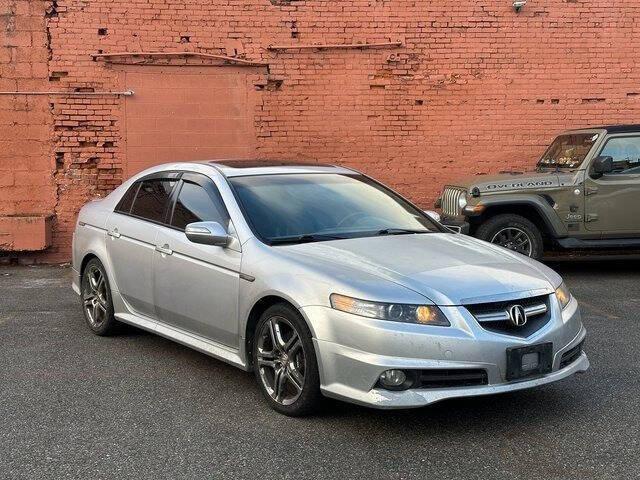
(300, 208)
(568, 151)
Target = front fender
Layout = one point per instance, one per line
(553, 223)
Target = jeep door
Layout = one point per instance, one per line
(612, 201)
(196, 286)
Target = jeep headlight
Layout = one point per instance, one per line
(394, 312)
(462, 201)
(563, 295)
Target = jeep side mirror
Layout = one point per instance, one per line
(602, 165)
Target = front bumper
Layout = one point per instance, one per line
(353, 351)
(458, 224)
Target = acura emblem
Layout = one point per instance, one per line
(517, 315)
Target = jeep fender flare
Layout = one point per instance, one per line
(552, 222)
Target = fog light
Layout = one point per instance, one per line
(395, 380)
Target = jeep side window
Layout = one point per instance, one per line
(625, 152)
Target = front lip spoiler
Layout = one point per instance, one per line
(389, 400)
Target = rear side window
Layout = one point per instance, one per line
(152, 199)
(124, 205)
(195, 204)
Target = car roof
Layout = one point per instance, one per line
(612, 128)
(243, 168)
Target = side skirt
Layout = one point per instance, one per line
(201, 344)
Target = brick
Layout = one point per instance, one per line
(473, 90)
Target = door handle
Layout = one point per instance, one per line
(114, 233)
(591, 217)
(164, 249)
(590, 190)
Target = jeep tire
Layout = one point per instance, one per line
(513, 232)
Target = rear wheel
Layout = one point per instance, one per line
(513, 232)
(285, 363)
(97, 304)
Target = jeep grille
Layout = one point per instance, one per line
(450, 198)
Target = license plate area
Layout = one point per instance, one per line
(528, 361)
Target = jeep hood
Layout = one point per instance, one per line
(447, 269)
(509, 182)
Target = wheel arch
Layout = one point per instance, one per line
(536, 209)
(256, 311)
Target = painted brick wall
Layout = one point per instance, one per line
(474, 88)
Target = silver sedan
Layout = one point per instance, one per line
(322, 281)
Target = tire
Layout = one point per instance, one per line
(510, 231)
(97, 303)
(283, 350)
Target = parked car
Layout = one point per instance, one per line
(323, 282)
(583, 194)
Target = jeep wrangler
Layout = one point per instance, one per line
(583, 194)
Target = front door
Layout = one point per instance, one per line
(612, 201)
(196, 286)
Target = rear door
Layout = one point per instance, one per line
(612, 202)
(196, 286)
(132, 231)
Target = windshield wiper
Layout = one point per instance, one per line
(308, 238)
(399, 231)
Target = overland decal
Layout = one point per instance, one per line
(517, 185)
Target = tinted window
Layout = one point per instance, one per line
(281, 206)
(194, 204)
(625, 152)
(152, 199)
(125, 202)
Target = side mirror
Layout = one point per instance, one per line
(602, 165)
(207, 233)
(434, 215)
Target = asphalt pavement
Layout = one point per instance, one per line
(74, 405)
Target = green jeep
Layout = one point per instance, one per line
(583, 194)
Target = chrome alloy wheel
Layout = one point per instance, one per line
(94, 298)
(515, 239)
(281, 360)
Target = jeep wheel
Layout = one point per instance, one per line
(513, 232)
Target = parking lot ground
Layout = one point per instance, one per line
(73, 405)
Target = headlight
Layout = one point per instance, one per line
(563, 295)
(462, 201)
(394, 312)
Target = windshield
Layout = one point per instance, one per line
(293, 208)
(568, 151)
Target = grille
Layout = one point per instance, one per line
(447, 378)
(450, 198)
(571, 355)
(494, 316)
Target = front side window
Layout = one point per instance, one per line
(315, 207)
(152, 199)
(194, 204)
(568, 151)
(625, 152)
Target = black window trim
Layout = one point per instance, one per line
(176, 175)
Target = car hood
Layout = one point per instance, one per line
(517, 181)
(447, 269)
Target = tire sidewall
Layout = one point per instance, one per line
(109, 324)
(490, 228)
(310, 395)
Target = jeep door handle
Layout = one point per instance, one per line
(114, 233)
(164, 249)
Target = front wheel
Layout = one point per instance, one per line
(285, 363)
(513, 232)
